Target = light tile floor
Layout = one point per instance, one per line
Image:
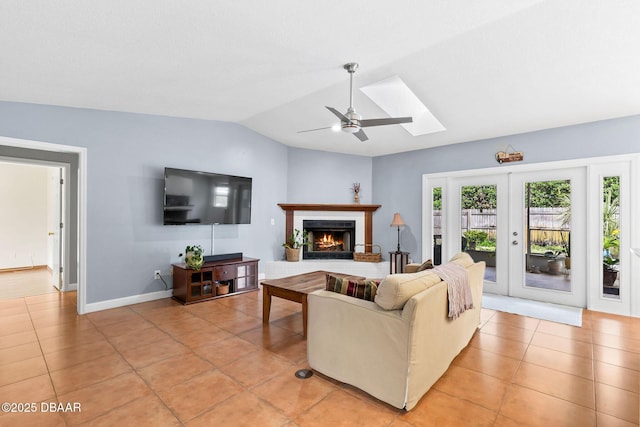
(213, 363)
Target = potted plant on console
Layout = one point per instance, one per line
(193, 257)
(294, 243)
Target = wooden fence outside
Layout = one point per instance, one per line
(545, 224)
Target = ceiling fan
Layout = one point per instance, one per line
(352, 122)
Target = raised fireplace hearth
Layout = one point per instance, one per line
(329, 239)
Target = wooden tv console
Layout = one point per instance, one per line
(215, 279)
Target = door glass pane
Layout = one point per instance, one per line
(479, 225)
(611, 237)
(547, 235)
(436, 220)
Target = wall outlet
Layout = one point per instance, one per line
(156, 275)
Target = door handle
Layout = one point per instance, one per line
(515, 242)
(51, 233)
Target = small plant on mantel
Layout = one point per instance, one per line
(293, 244)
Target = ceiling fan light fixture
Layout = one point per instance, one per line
(350, 127)
(352, 122)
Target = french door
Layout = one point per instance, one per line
(479, 205)
(529, 251)
(547, 242)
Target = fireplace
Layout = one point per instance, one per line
(329, 239)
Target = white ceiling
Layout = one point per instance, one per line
(484, 68)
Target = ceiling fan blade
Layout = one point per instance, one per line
(338, 114)
(361, 135)
(312, 130)
(381, 122)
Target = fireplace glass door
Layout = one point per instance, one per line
(329, 239)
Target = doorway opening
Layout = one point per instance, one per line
(31, 249)
(73, 160)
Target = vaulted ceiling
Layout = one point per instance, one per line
(483, 68)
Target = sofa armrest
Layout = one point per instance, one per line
(435, 339)
(359, 343)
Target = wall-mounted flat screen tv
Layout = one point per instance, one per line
(192, 197)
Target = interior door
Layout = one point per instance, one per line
(55, 230)
(547, 242)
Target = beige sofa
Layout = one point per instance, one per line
(398, 352)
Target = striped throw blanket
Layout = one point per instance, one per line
(458, 289)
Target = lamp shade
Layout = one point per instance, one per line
(397, 220)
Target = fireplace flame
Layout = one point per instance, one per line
(328, 243)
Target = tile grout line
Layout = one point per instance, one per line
(511, 382)
(135, 371)
(46, 364)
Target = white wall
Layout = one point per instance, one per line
(23, 215)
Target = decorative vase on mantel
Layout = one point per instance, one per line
(356, 193)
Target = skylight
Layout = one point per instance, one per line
(397, 100)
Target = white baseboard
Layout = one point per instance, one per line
(121, 302)
(70, 287)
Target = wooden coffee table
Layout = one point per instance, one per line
(295, 288)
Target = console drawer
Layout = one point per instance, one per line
(227, 272)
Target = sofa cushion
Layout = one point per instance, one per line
(397, 289)
(365, 289)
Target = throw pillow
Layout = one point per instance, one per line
(334, 283)
(427, 265)
(363, 289)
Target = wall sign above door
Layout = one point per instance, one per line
(509, 156)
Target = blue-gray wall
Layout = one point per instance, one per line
(323, 177)
(397, 178)
(127, 154)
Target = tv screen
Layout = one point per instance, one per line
(192, 197)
